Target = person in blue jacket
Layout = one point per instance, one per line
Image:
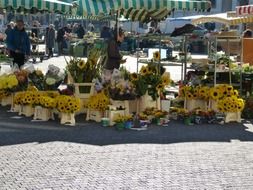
(18, 43)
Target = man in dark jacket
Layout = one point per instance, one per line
(114, 57)
(80, 31)
(60, 40)
(19, 44)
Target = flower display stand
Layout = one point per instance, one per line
(165, 105)
(68, 119)
(195, 103)
(112, 113)
(213, 105)
(146, 101)
(94, 115)
(26, 110)
(84, 90)
(7, 100)
(233, 117)
(43, 114)
(16, 108)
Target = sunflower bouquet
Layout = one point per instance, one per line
(98, 102)
(48, 102)
(151, 79)
(85, 72)
(67, 104)
(231, 104)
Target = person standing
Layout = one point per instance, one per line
(50, 38)
(114, 57)
(80, 31)
(18, 43)
(60, 40)
(35, 34)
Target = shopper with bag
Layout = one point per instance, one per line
(18, 43)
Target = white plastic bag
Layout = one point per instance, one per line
(28, 67)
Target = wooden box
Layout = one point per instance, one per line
(26, 110)
(94, 115)
(233, 117)
(194, 104)
(7, 100)
(84, 90)
(68, 119)
(43, 114)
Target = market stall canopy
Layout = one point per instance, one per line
(33, 6)
(223, 18)
(140, 10)
(244, 10)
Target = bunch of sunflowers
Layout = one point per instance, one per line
(98, 102)
(222, 91)
(231, 104)
(85, 72)
(151, 80)
(48, 102)
(67, 104)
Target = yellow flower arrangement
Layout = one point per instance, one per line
(118, 118)
(8, 82)
(18, 97)
(215, 93)
(3, 93)
(48, 102)
(156, 56)
(203, 92)
(160, 87)
(98, 102)
(231, 104)
(28, 98)
(67, 104)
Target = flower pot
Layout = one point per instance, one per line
(105, 122)
(120, 126)
(188, 121)
(128, 124)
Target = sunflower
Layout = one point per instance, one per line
(159, 87)
(189, 95)
(214, 93)
(236, 93)
(81, 64)
(156, 56)
(165, 79)
(150, 70)
(144, 71)
(134, 77)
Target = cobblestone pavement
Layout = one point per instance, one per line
(46, 156)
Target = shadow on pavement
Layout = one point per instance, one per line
(18, 131)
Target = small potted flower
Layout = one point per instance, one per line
(119, 121)
(128, 121)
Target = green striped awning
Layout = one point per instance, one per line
(34, 6)
(140, 10)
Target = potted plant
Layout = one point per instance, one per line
(119, 121)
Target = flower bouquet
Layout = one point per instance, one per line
(53, 78)
(67, 104)
(122, 121)
(22, 77)
(99, 102)
(37, 79)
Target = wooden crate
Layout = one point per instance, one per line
(84, 90)
(68, 119)
(26, 110)
(16, 108)
(233, 117)
(146, 101)
(7, 100)
(195, 103)
(94, 115)
(43, 114)
(213, 105)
